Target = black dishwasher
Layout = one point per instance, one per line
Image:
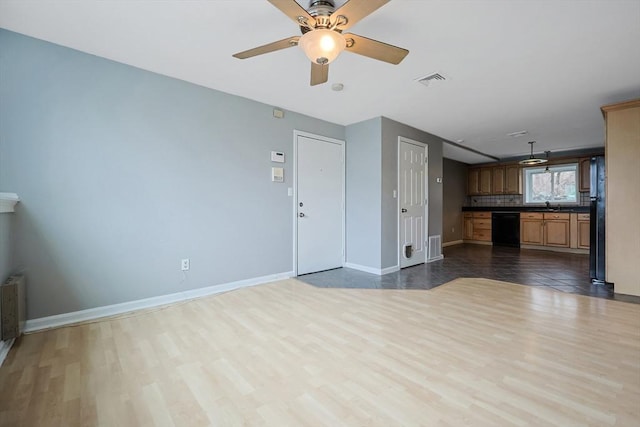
(505, 229)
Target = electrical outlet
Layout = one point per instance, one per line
(185, 264)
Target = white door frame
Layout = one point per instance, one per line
(296, 134)
(402, 139)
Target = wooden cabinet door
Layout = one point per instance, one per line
(531, 232)
(585, 174)
(473, 181)
(485, 180)
(468, 229)
(583, 234)
(498, 180)
(512, 181)
(556, 233)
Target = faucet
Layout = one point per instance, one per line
(548, 204)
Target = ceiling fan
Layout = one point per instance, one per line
(322, 39)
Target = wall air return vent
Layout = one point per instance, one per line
(425, 80)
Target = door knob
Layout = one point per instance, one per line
(403, 210)
(301, 215)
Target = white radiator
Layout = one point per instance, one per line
(12, 307)
(435, 248)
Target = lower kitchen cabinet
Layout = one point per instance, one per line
(468, 226)
(584, 231)
(531, 228)
(556, 228)
(477, 226)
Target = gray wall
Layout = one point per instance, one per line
(454, 185)
(363, 197)
(122, 172)
(391, 130)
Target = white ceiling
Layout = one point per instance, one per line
(541, 66)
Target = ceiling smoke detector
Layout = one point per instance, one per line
(425, 80)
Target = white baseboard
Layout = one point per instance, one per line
(437, 258)
(453, 242)
(364, 268)
(125, 307)
(390, 270)
(372, 270)
(5, 346)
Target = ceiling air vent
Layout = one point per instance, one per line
(425, 80)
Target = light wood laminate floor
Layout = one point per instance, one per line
(473, 352)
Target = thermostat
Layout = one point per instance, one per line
(277, 156)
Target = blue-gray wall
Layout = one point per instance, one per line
(122, 172)
(363, 198)
(391, 130)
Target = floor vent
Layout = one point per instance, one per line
(435, 248)
(425, 80)
(12, 307)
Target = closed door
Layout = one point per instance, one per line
(412, 189)
(319, 204)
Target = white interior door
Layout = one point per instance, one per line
(319, 204)
(412, 157)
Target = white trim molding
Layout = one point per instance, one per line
(5, 346)
(372, 270)
(126, 307)
(8, 202)
(453, 242)
(438, 258)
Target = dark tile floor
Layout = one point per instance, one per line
(561, 271)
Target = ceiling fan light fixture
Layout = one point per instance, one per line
(322, 46)
(532, 160)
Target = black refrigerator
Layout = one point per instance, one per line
(597, 211)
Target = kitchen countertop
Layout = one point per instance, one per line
(567, 209)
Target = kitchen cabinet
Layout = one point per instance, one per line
(584, 231)
(531, 228)
(556, 230)
(479, 181)
(512, 179)
(545, 229)
(477, 226)
(468, 226)
(498, 180)
(494, 180)
(473, 182)
(485, 180)
(584, 169)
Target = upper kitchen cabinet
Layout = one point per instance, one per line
(585, 174)
(512, 179)
(473, 181)
(479, 181)
(498, 180)
(494, 180)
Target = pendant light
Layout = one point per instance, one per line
(532, 160)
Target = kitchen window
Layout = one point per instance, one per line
(554, 184)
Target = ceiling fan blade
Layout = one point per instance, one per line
(294, 11)
(271, 47)
(375, 49)
(355, 10)
(319, 73)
